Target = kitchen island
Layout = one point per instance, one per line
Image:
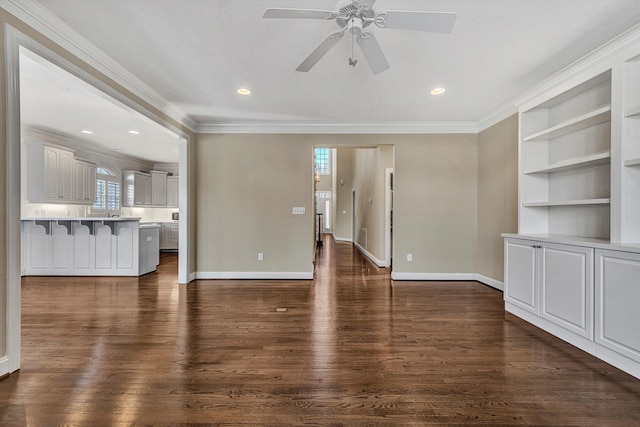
(109, 246)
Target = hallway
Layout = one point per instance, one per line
(352, 348)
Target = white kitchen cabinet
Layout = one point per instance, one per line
(149, 249)
(84, 176)
(551, 281)
(172, 191)
(169, 236)
(159, 188)
(137, 189)
(618, 302)
(49, 174)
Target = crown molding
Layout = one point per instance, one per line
(40, 19)
(346, 128)
(497, 116)
(595, 62)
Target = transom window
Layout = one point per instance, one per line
(107, 192)
(322, 161)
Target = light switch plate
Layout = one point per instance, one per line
(298, 210)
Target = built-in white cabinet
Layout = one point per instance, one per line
(552, 281)
(49, 174)
(618, 302)
(169, 236)
(565, 161)
(172, 191)
(158, 188)
(84, 178)
(573, 268)
(137, 189)
(629, 228)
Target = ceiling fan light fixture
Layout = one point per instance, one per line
(243, 91)
(438, 91)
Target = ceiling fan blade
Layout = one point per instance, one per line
(433, 22)
(320, 51)
(299, 14)
(372, 52)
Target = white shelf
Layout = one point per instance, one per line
(578, 162)
(632, 162)
(584, 121)
(633, 112)
(582, 202)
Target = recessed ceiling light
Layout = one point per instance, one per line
(438, 91)
(134, 132)
(243, 91)
(88, 132)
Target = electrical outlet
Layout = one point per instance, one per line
(409, 257)
(260, 256)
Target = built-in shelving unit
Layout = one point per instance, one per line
(565, 161)
(578, 162)
(572, 267)
(574, 124)
(604, 201)
(629, 209)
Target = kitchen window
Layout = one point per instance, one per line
(107, 192)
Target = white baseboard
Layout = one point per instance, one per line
(432, 276)
(255, 275)
(341, 239)
(490, 282)
(449, 276)
(4, 365)
(369, 255)
(192, 276)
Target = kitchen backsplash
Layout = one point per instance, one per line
(30, 210)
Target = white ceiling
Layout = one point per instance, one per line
(196, 53)
(55, 101)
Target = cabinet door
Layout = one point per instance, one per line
(172, 191)
(158, 188)
(90, 179)
(51, 173)
(174, 235)
(566, 284)
(66, 175)
(617, 301)
(146, 189)
(520, 274)
(79, 181)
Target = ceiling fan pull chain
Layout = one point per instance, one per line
(352, 61)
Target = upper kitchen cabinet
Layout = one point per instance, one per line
(50, 176)
(172, 191)
(159, 188)
(84, 176)
(137, 189)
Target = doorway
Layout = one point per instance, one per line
(14, 40)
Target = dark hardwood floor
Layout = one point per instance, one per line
(353, 348)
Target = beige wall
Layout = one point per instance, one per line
(435, 206)
(247, 187)
(344, 185)
(435, 203)
(497, 194)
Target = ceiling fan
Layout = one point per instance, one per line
(355, 16)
